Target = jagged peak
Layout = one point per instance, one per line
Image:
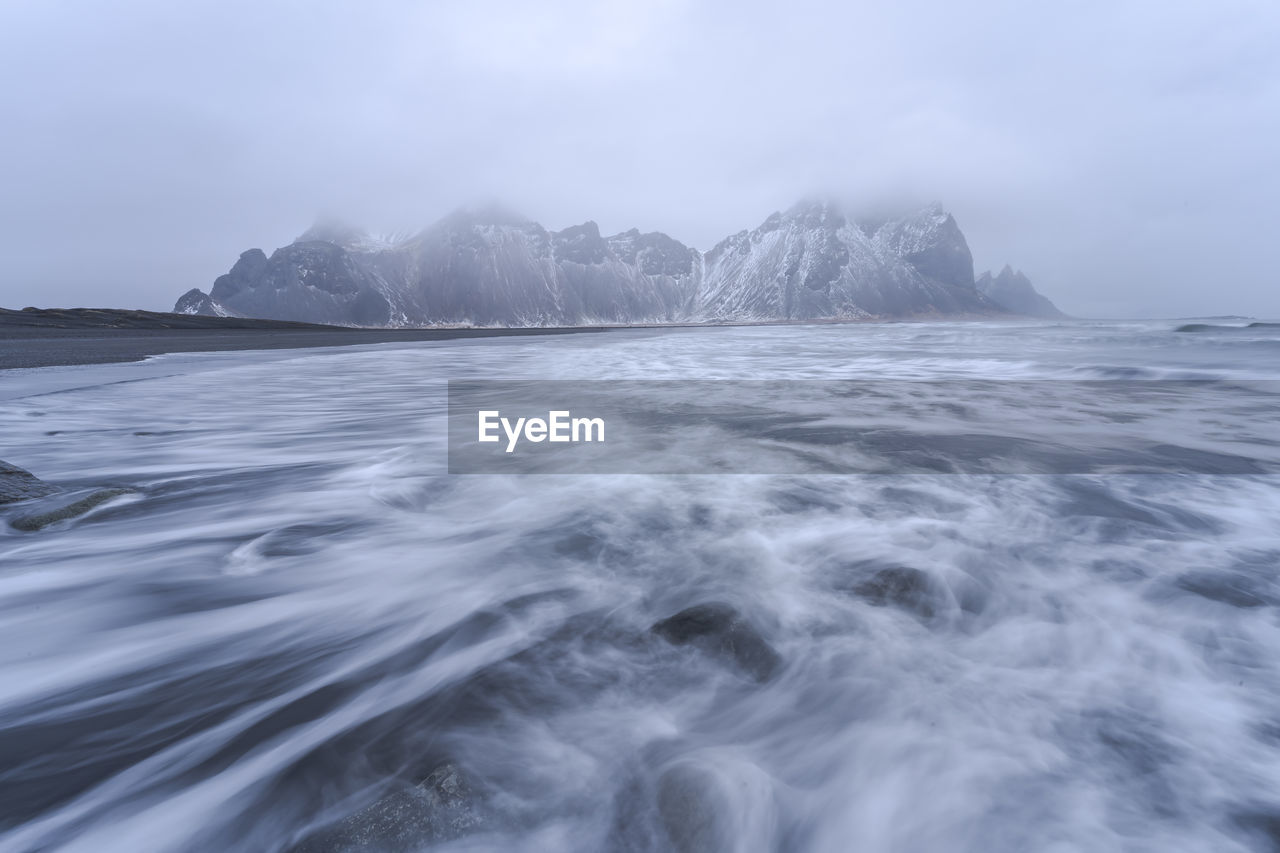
(654, 251)
(646, 236)
(587, 229)
(1013, 290)
(581, 244)
(1007, 274)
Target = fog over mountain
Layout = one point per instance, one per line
(147, 142)
(491, 267)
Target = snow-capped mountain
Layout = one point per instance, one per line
(484, 267)
(813, 262)
(494, 268)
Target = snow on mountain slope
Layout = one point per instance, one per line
(197, 302)
(814, 262)
(495, 268)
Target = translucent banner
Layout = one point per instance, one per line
(958, 426)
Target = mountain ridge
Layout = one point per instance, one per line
(1014, 290)
(493, 267)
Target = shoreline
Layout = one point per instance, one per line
(28, 347)
(79, 336)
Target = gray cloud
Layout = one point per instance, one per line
(1119, 152)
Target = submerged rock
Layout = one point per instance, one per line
(690, 814)
(1233, 588)
(17, 484)
(1262, 824)
(910, 589)
(39, 520)
(720, 630)
(438, 809)
(722, 805)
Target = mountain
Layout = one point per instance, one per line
(1014, 292)
(196, 301)
(814, 262)
(490, 267)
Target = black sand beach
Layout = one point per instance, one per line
(53, 337)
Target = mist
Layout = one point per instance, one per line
(1120, 153)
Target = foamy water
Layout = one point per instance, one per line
(297, 614)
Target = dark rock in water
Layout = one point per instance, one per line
(1233, 588)
(723, 803)
(971, 594)
(19, 485)
(900, 586)
(721, 631)
(39, 520)
(1263, 825)
(690, 814)
(438, 809)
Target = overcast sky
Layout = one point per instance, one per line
(1123, 154)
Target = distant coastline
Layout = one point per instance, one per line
(55, 337)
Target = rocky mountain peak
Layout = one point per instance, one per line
(197, 302)
(931, 241)
(581, 244)
(488, 265)
(654, 252)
